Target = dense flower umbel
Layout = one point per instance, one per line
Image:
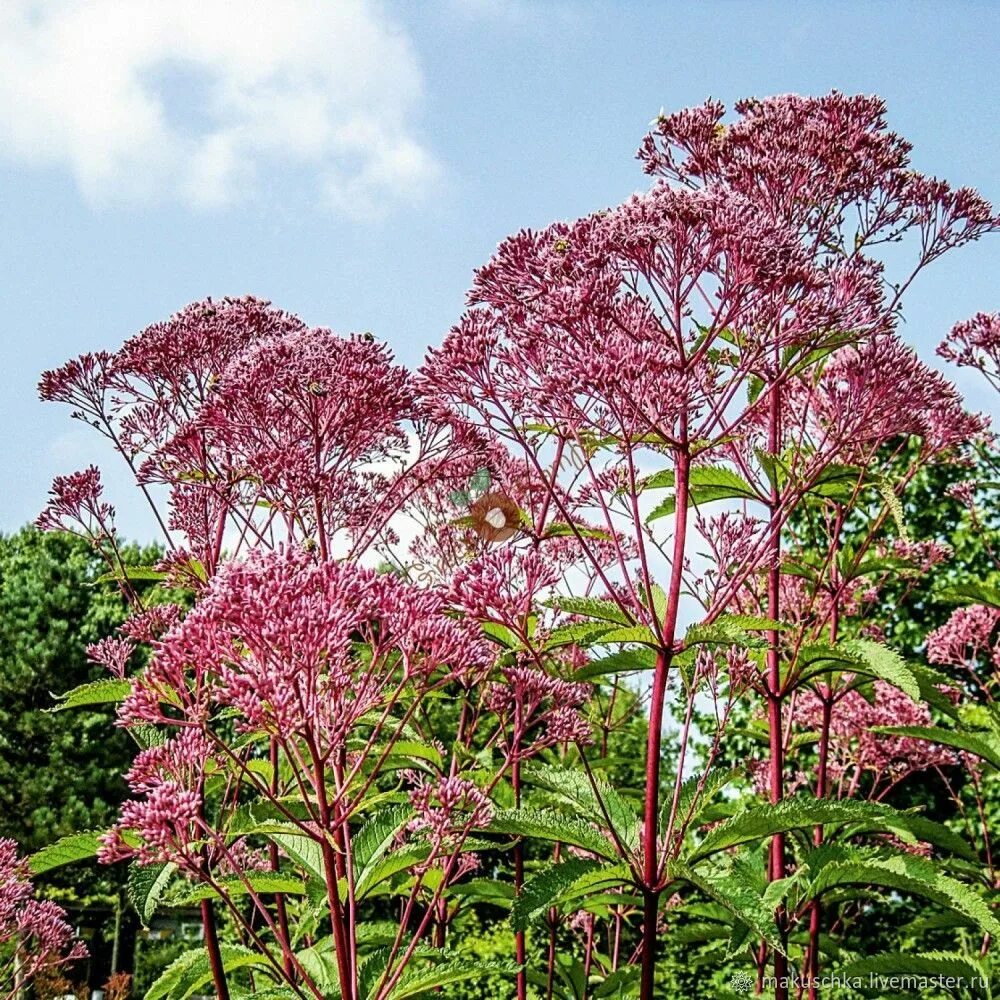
(538, 710)
(662, 321)
(254, 423)
(75, 505)
(447, 810)
(307, 416)
(277, 638)
(34, 934)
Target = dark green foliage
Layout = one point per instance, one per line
(59, 773)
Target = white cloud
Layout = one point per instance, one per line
(193, 100)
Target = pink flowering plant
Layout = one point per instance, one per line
(404, 620)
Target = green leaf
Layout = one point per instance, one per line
(837, 482)
(761, 821)
(574, 788)
(304, 851)
(723, 631)
(752, 623)
(983, 745)
(133, 573)
(375, 837)
(591, 607)
(976, 593)
(485, 890)
(145, 887)
(884, 664)
(621, 662)
(385, 867)
(106, 691)
(865, 657)
(262, 883)
(187, 974)
(878, 970)
(419, 981)
(707, 483)
(413, 750)
(543, 890)
(501, 634)
(581, 632)
(559, 529)
(731, 888)
(635, 633)
(66, 851)
(905, 873)
(547, 825)
(619, 984)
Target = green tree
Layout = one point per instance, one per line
(58, 772)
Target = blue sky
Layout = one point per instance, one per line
(354, 162)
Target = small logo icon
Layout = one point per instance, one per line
(741, 983)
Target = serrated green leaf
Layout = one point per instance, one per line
(376, 836)
(905, 873)
(621, 662)
(580, 633)
(66, 851)
(547, 825)
(262, 883)
(574, 788)
(106, 691)
(731, 890)
(133, 573)
(707, 483)
(542, 891)
(761, 821)
(975, 593)
(983, 745)
(932, 965)
(146, 885)
(591, 607)
(419, 981)
(885, 664)
(187, 974)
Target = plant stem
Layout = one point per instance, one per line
(519, 948)
(651, 864)
(775, 694)
(212, 947)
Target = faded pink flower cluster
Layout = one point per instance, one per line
(967, 640)
(857, 748)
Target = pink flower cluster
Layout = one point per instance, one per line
(166, 823)
(967, 638)
(856, 748)
(447, 810)
(539, 710)
(277, 636)
(975, 343)
(34, 934)
(250, 420)
(75, 504)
